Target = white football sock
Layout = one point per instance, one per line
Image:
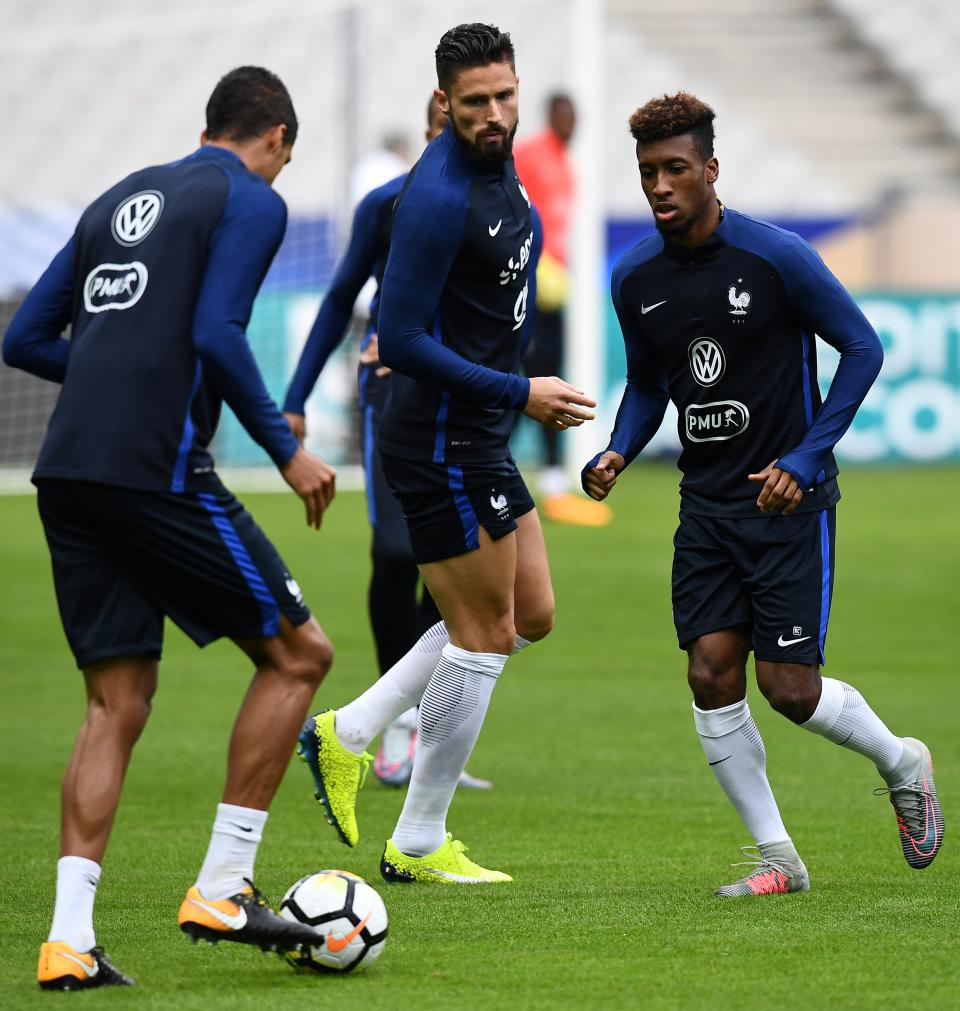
(520, 643)
(843, 716)
(77, 880)
(451, 714)
(734, 749)
(237, 832)
(358, 722)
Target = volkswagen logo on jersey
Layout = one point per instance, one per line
(706, 361)
(716, 422)
(135, 217)
(114, 286)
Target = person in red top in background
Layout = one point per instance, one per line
(546, 171)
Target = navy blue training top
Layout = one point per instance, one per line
(726, 330)
(158, 282)
(453, 307)
(365, 257)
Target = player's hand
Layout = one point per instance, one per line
(370, 355)
(600, 479)
(313, 480)
(780, 491)
(556, 404)
(298, 425)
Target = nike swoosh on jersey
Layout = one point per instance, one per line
(644, 309)
(91, 971)
(336, 944)
(235, 921)
(790, 642)
(493, 231)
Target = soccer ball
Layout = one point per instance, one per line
(348, 913)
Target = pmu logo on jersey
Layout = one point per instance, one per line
(716, 422)
(114, 286)
(135, 218)
(707, 362)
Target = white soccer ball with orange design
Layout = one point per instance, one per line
(348, 913)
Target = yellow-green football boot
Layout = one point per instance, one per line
(447, 865)
(337, 773)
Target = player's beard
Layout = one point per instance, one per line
(490, 155)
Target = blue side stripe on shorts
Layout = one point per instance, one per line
(471, 525)
(368, 451)
(440, 438)
(186, 440)
(824, 581)
(248, 569)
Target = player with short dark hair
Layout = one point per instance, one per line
(453, 308)
(157, 284)
(719, 313)
(399, 612)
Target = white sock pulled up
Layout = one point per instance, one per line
(734, 749)
(402, 687)
(237, 832)
(451, 715)
(77, 881)
(843, 716)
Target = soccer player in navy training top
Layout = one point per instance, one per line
(719, 313)
(157, 284)
(399, 614)
(452, 312)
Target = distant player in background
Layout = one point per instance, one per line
(547, 172)
(399, 613)
(456, 293)
(158, 282)
(719, 313)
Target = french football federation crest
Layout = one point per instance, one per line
(740, 301)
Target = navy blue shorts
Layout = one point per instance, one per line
(773, 574)
(123, 559)
(445, 505)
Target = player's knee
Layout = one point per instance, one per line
(495, 637)
(714, 681)
(122, 699)
(312, 657)
(792, 692)
(537, 625)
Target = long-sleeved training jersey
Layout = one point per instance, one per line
(726, 330)
(158, 282)
(365, 257)
(453, 307)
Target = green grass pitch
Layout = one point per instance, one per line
(604, 809)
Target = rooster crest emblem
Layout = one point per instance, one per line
(740, 302)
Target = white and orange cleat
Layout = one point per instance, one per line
(64, 968)
(245, 918)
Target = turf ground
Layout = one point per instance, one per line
(603, 810)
